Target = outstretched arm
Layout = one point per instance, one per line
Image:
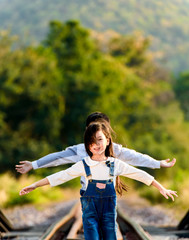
(165, 192)
(70, 155)
(33, 186)
(142, 176)
(58, 178)
(138, 159)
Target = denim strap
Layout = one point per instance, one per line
(111, 166)
(87, 168)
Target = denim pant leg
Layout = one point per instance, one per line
(108, 219)
(90, 219)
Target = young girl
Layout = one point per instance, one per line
(100, 170)
(76, 153)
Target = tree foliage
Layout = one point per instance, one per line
(165, 22)
(31, 103)
(47, 92)
(181, 88)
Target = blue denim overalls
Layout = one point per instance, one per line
(99, 207)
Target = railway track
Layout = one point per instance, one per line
(70, 227)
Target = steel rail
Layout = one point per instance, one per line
(70, 227)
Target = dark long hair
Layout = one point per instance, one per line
(90, 138)
(97, 116)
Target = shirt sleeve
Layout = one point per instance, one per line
(74, 171)
(126, 170)
(69, 155)
(134, 158)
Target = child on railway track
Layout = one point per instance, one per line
(76, 153)
(101, 171)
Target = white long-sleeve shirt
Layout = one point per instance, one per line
(76, 153)
(100, 171)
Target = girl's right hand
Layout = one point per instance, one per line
(27, 189)
(24, 167)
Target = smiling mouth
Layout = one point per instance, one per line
(97, 149)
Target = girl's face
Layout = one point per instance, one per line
(99, 146)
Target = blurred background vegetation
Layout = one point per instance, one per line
(166, 23)
(48, 88)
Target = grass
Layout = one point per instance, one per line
(10, 187)
(180, 183)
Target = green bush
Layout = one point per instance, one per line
(10, 195)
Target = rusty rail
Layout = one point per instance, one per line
(70, 227)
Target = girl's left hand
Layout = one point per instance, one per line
(168, 193)
(27, 189)
(167, 163)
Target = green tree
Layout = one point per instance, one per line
(31, 106)
(75, 53)
(94, 78)
(181, 88)
(131, 50)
